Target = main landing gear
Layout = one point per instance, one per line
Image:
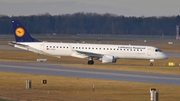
(90, 62)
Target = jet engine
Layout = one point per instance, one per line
(108, 59)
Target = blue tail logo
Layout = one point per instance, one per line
(21, 35)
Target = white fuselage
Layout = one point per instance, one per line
(71, 49)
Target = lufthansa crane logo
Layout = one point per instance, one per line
(20, 32)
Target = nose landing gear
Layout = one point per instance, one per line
(151, 62)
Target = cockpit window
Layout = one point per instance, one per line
(158, 50)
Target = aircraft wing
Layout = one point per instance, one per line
(90, 54)
(84, 54)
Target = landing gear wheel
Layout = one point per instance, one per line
(90, 62)
(151, 64)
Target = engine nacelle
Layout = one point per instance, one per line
(108, 59)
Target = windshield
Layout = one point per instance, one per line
(158, 50)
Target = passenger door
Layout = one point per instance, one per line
(41, 47)
(149, 51)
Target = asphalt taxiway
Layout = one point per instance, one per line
(58, 70)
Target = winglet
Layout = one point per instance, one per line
(21, 35)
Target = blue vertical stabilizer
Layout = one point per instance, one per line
(21, 35)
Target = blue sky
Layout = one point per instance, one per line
(119, 7)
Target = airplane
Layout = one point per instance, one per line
(106, 53)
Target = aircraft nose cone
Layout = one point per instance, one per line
(165, 56)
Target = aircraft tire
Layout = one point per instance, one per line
(90, 62)
(151, 64)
